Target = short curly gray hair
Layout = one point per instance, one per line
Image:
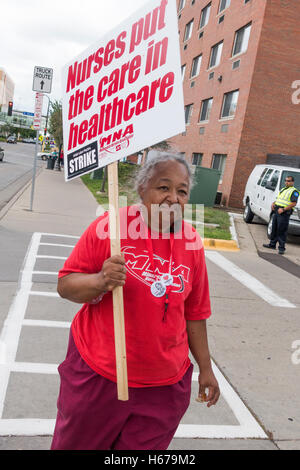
(147, 170)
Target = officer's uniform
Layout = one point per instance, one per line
(280, 225)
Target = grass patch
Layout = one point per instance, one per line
(219, 217)
(211, 216)
(126, 173)
(217, 233)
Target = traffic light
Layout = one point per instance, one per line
(10, 108)
(45, 131)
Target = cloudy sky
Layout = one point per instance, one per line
(49, 34)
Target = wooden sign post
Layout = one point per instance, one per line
(118, 304)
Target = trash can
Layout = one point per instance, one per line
(50, 163)
(204, 191)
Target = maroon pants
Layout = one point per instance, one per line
(90, 416)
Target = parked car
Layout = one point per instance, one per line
(29, 140)
(262, 189)
(1, 154)
(45, 155)
(11, 139)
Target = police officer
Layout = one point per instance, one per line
(282, 208)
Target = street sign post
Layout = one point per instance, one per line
(36, 125)
(42, 83)
(42, 79)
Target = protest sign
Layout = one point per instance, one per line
(124, 93)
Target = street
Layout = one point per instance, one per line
(16, 169)
(252, 332)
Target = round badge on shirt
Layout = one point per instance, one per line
(158, 289)
(167, 279)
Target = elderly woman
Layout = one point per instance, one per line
(166, 303)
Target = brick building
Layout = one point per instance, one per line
(240, 59)
(7, 88)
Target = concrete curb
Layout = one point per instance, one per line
(221, 245)
(14, 199)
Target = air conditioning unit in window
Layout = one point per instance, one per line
(236, 64)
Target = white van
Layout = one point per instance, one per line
(262, 189)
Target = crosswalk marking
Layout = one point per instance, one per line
(249, 281)
(248, 426)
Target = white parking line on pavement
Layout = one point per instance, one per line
(51, 273)
(57, 244)
(26, 427)
(47, 323)
(43, 294)
(249, 281)
(34, 368)
(248, 427)
(12, 326)
(59, 235)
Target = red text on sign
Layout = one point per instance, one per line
(81, 71)
(119, 111)
(147, 27)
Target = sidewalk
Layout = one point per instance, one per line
(58, 207)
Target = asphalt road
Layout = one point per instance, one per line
(16, 169)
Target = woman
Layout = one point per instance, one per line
(166, 304)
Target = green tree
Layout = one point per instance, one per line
(8, 129)
(55, 123)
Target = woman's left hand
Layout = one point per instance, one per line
(208, 381)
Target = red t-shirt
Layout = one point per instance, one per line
(156, 342)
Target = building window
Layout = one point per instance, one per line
(205, 13)
(223, 5)
(218, 163)
(183, 67)
(224, 128)
(205, 109)
(196, 66)
(215, 55)
(188, 31)
(188, 113)
(241, 40)
(236, 64)
(181, 5)
(230, 104)
(197, 159)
